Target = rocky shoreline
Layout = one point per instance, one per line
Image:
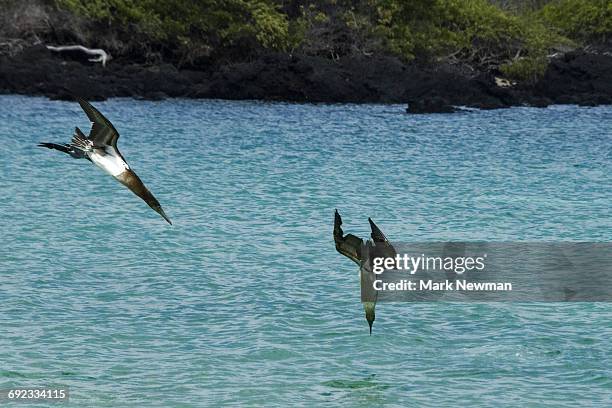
(577, 77)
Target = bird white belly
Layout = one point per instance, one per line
(109, 162)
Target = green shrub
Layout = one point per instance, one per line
(580, 19)
(186, 23)
(525, 69)
(271, 27)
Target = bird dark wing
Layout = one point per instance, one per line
(377, 235)
(348, 245)
(66, 148)
(102, 133)
(382, 243)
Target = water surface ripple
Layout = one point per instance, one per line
(245, 301)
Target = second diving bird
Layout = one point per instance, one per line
(100, 148)
(359, 252)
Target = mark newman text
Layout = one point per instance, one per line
(430, 285)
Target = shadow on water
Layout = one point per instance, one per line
(367, 382)
(364, 391)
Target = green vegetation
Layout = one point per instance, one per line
(473, 31)
(525, 69)
(583, 20)
(187, 29)
(512, 36)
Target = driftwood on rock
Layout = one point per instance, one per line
(101, 55)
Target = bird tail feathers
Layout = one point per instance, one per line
(80, 141)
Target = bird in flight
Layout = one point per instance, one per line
(100, 148)
(356, 249)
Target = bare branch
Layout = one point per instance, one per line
(101, 55)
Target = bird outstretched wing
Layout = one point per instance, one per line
(102, 132)
(348, 245)
(377, 235)
(383, 246)
(66, 148)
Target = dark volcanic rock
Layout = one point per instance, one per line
(539, 102)
(154, 96)
(578, 77)
(430, 105)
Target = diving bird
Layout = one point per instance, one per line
(100, 148)
(356, 249)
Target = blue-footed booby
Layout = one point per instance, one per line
(100, 148)
(356, 249)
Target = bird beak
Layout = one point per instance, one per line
(370, 323)
(163, 214)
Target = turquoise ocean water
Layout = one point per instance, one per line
(244, 300)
